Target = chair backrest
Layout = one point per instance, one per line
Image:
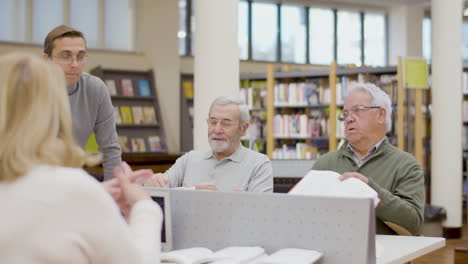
(291, 168)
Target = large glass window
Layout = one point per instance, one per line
(7, 14)
(192, 28)
(182, 33)
(264, 31)
(374, 39)
(118, 24)
(47, 14)
(84, 16)
(349, 37)
(426, 36)
(321, 36)
(465, 40)
(293, 34)
(243, 30)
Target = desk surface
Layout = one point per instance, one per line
(401, 249)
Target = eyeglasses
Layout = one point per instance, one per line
(212, 122)
(355, 111)
(66, 59)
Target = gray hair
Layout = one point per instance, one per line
(378, 97)
(244, 115)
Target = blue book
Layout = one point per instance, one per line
(144, 88)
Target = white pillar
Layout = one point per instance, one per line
(405, 32)
(446, 185)
(216, 60)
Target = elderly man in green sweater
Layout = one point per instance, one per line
(368, 156)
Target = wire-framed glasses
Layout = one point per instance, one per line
(68, 59)
(355, 111)
(212, 122)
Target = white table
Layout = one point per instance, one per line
(401, 249)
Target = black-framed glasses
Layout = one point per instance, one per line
(212, 122)
(355, 111)
(67, 59)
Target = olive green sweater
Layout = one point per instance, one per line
(397, 178)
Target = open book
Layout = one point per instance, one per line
(199, 255)
(240, 255)
(327, 183)
(291, 255)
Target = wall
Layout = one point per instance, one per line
(156, 36)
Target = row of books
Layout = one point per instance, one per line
(304, 126)
(125, 87)
(313, 92)
(138, 115)
(253, 97)
(139, 144)
(298, 151)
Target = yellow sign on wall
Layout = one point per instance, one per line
(416, 73)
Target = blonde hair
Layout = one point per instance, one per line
(35, 120)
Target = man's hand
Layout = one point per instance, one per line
(157, 180)
(118, 191)
(210, 187)
(356, 175)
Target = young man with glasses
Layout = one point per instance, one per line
(228, 166)
(368, 156)
(90, 103)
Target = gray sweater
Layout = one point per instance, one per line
(92, 111)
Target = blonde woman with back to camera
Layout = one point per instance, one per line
(52, 211)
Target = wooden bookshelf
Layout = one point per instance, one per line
(144, 131)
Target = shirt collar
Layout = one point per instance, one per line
(236, 156)
(371, 150)
(72, 88)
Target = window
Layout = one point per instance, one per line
(321, 36)
(293, 34)
(7, 20)
(290, 33)
(192, 28)
(111, 26)
(118, 24)
(465, 40)
(182, 33)
(264, 31)
(84, 16)
(374, 40)
(426, 32)
(243, 30)
(349, 38)
(47, 14)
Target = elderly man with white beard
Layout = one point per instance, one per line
(228, 166)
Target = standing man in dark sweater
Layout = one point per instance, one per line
(90, 103)
(368, 156)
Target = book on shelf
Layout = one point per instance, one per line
(118, 119)
(188, 89)
(126, 115)
(248, 255)
(138, 144)
(110, 84)
(155, 144)
(327, 183)
(126, 86)
(124, 143)
(144, 88)
(149, 115)
(137, 114)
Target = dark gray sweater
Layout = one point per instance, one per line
(92, 111)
